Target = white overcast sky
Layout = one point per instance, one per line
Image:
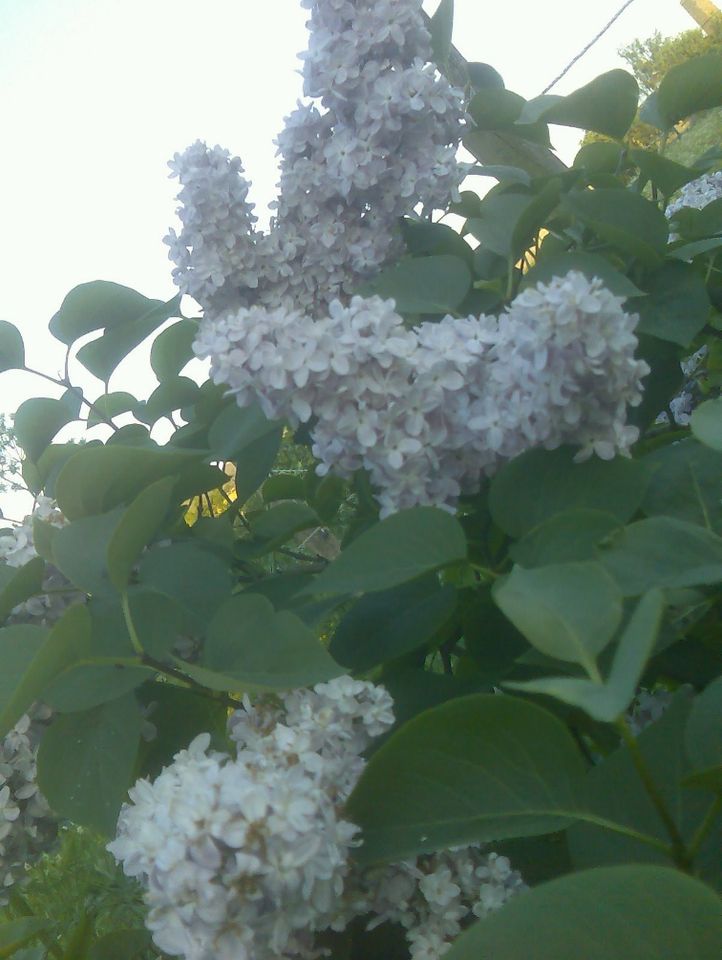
(96, 95)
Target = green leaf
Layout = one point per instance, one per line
(706, 423)
(689, 250)
(703, 733)
(93, 306)
(662, 552)
(31, 671)
(661, 384)
(80, 551)
(569, 611)
(172, 349)
(540, 483)
(110, 405)
(614, 791)
(424, 285)
(254, 463)
(687, 88)
(509, 221)
(12, 349)
(390, 623)
(495, 108)
(189, 573)
(477, 768)
(102, 356)
(569, 535)
(423, 238)
(170, 395)
(19, 644)
(651, 913)
(664, 173)
(86, 761)
(607, 701)
(402, 547)
(686, 484)
(120, 945)
(482, 76)
(37, 421)
(17, 933)
(257, 647)
(236, 428)
(440, 28)
(676, 306)
(600, 156)
(136, 528)
(87, 684)
(96, 479)
(606, 105)
(17, 584)
(624, 219)
(158, 619)
(502, 173)
(278, 524)
(590, 264)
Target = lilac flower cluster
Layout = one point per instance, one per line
(385, 132)
(17, 547)
(27, 826)
(429, 411)
(697, 194)
(247, 857)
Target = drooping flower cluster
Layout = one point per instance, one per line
(27, 827)
(428, 411)
(697, 194)
(387, 132)
(247, 857)
(17, 547)
(435, 896)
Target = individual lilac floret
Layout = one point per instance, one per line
(430, 411)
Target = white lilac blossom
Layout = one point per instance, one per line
(435, 896)
(17, 547)
(384, 131)
(214, 254)
(697, 194)
(247, 857)
(429, 411)
(646, 708)
(27, 827)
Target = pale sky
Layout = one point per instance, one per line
(98, 94)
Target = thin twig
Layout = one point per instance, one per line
(588, 47)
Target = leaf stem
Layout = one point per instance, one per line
(704, 827)
(77, 391)
(132, 632)
(679, 851)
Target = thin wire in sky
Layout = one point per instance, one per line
(589, 46)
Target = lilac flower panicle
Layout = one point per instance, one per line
(17, 548)
(27, 827)
(247, 857)
(430, 411)
(384, 130)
